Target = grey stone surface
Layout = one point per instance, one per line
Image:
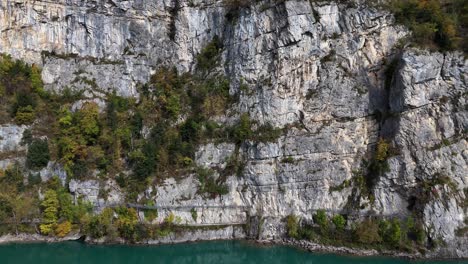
(317, 68)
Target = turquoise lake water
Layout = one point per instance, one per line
(202, 252)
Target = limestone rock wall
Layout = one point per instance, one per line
(318, 68)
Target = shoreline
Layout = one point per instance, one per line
(345, 251)
(299, 244)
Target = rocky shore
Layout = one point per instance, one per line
(314, 247)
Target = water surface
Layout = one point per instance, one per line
(193, 253)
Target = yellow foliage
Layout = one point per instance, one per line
(382, 150)
(46, 229)
(63, 229)
(169, 219)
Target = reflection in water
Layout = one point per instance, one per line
(193, 253)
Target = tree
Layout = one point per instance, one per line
(66, 205)
(38, 154)
(15, 208)
(126, 222)
(36, 80)
(88, 121)
(13, 177)
(22, 207)
(50, 206)
(63, 229)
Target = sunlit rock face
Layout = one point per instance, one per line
(319, 69)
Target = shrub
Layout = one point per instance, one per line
(194, 214)
(208, 184)
(38, 154)
(150, 214)
(414, 230)
(321, 219)
(243, 130)
(382, 151)
(126, 222)
(214, 105)
(208, 57)
(101, 225)
(288, 160)
(34, 178)
(267, 133)
(292, 226)
(27, 137)
(367, 232)
(13, 176)
(63, 229)
(25, 115)
(378, 165)
(25, 102)
(390, 231)
(339, 221)
(36, 81)
(95, 228)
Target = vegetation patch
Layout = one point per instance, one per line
(434, 23)
(209, 185)
(373, 233)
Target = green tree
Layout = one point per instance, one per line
(126, 222)
(88, 121)
(36, 80)
(66, 209)
(38, 154)
(50, 206)
(101, 225)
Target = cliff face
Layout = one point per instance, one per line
(333, 74)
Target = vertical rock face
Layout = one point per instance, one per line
(320, 69)
(429, 97)
(10, 138)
